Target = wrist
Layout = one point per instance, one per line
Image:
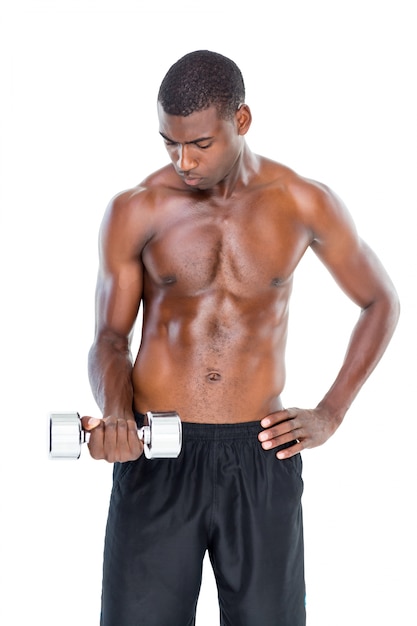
(117, 412)
(331, 412)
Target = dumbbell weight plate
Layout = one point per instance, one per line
(65, 436)
(162, 435)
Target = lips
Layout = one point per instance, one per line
(191, 181)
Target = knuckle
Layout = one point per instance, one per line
(110, 428)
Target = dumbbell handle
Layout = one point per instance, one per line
(161, 435)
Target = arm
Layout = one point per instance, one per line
(118, 296)
(359, 273)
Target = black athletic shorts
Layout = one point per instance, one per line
(225, 495)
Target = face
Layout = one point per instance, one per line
(203, 148)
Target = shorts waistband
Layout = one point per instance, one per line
(220, 432)
(193, 431)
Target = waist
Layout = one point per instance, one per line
(193, 431)
(207, 393)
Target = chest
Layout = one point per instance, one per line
(242, 250)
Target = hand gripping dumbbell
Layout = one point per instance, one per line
(161, 435)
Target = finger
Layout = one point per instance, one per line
(110, 439)
(96, 429)
(284, 428)
(290, 451)
(278, 417)
(135, 444)
(283, 440)
(129, 446)
(121, 450)
(90, 423)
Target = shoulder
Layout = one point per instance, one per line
(305, 192)
(144, 196)
(313, 202)
(137, 209)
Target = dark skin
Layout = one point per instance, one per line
(209, 244)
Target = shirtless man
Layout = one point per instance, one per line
(209, 245)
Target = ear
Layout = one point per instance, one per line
(243, 119)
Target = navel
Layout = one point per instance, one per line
(213, 377)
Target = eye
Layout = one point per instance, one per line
(204, 146)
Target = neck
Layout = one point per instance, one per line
(243, 170)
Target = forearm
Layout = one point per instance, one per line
(110, 374)
(368, 343)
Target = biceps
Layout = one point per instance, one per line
(118, 299)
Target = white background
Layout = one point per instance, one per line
(332, 88)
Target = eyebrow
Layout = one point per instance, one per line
(200, 139)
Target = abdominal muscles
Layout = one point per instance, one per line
(212, 358)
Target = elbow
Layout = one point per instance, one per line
(108, 339)
(392, 303)
(388, 304)
(395, 307)
(107, 346)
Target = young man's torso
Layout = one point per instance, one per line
(217, 278)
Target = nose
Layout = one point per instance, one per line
(186, 161)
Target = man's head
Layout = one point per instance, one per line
(200, 80)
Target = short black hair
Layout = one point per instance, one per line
(199, 80)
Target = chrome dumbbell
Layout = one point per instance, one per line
(161, 435)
